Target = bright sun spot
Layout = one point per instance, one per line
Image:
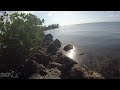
(71, 53)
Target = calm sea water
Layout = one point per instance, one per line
(96, 45)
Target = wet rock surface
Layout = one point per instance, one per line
(57, 43)
(48, 38)
(55, 65)
(68, 47)
(52, 49)
(82, 72)
(41, 58)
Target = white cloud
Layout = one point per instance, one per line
(55, 19)
(50, 14)
(113, 13)
(68, 13)
(59, 13)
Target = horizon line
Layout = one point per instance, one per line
(89, 23)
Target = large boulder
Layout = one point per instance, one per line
(52, 49)
(66, 62)
(41, 58)
(57, 43)
(59, 54)
(54, 65)
(82, 72)
(30, 67)
(48, 37)
(66, 65)
(68, 47)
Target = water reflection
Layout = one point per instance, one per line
(71, 53)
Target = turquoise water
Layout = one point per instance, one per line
(100, 43)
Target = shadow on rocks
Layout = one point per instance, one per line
(41, 58)
(30, 67)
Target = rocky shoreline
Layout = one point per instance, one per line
(50, 63)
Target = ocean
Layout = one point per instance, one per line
(96, 45)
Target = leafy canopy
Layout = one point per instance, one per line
(24, 27)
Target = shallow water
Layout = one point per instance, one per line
(96, 45)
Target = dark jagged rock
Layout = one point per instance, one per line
(31, 67)
(55, 58)
(66, 62)
(48, 38)
(53, 74)
(82, 72)
(42, 51)
(49, 35)
(68, 47)
(55, 65)
(57, 43)
(76, 73)
(59, 54)
(42, 59)
(52, 49)
(66, 65)
(81, 53)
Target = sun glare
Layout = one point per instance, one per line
(71, 53)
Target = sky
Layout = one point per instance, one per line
(75, 17)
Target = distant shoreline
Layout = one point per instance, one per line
(88, 23)
(50, 29)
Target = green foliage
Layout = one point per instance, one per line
(24, 27)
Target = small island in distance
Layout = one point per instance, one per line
(52, 26)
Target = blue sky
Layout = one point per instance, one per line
(76, 17)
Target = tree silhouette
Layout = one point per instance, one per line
(43, 20)
(19, 35)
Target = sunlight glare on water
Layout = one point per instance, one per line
(71, 53)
